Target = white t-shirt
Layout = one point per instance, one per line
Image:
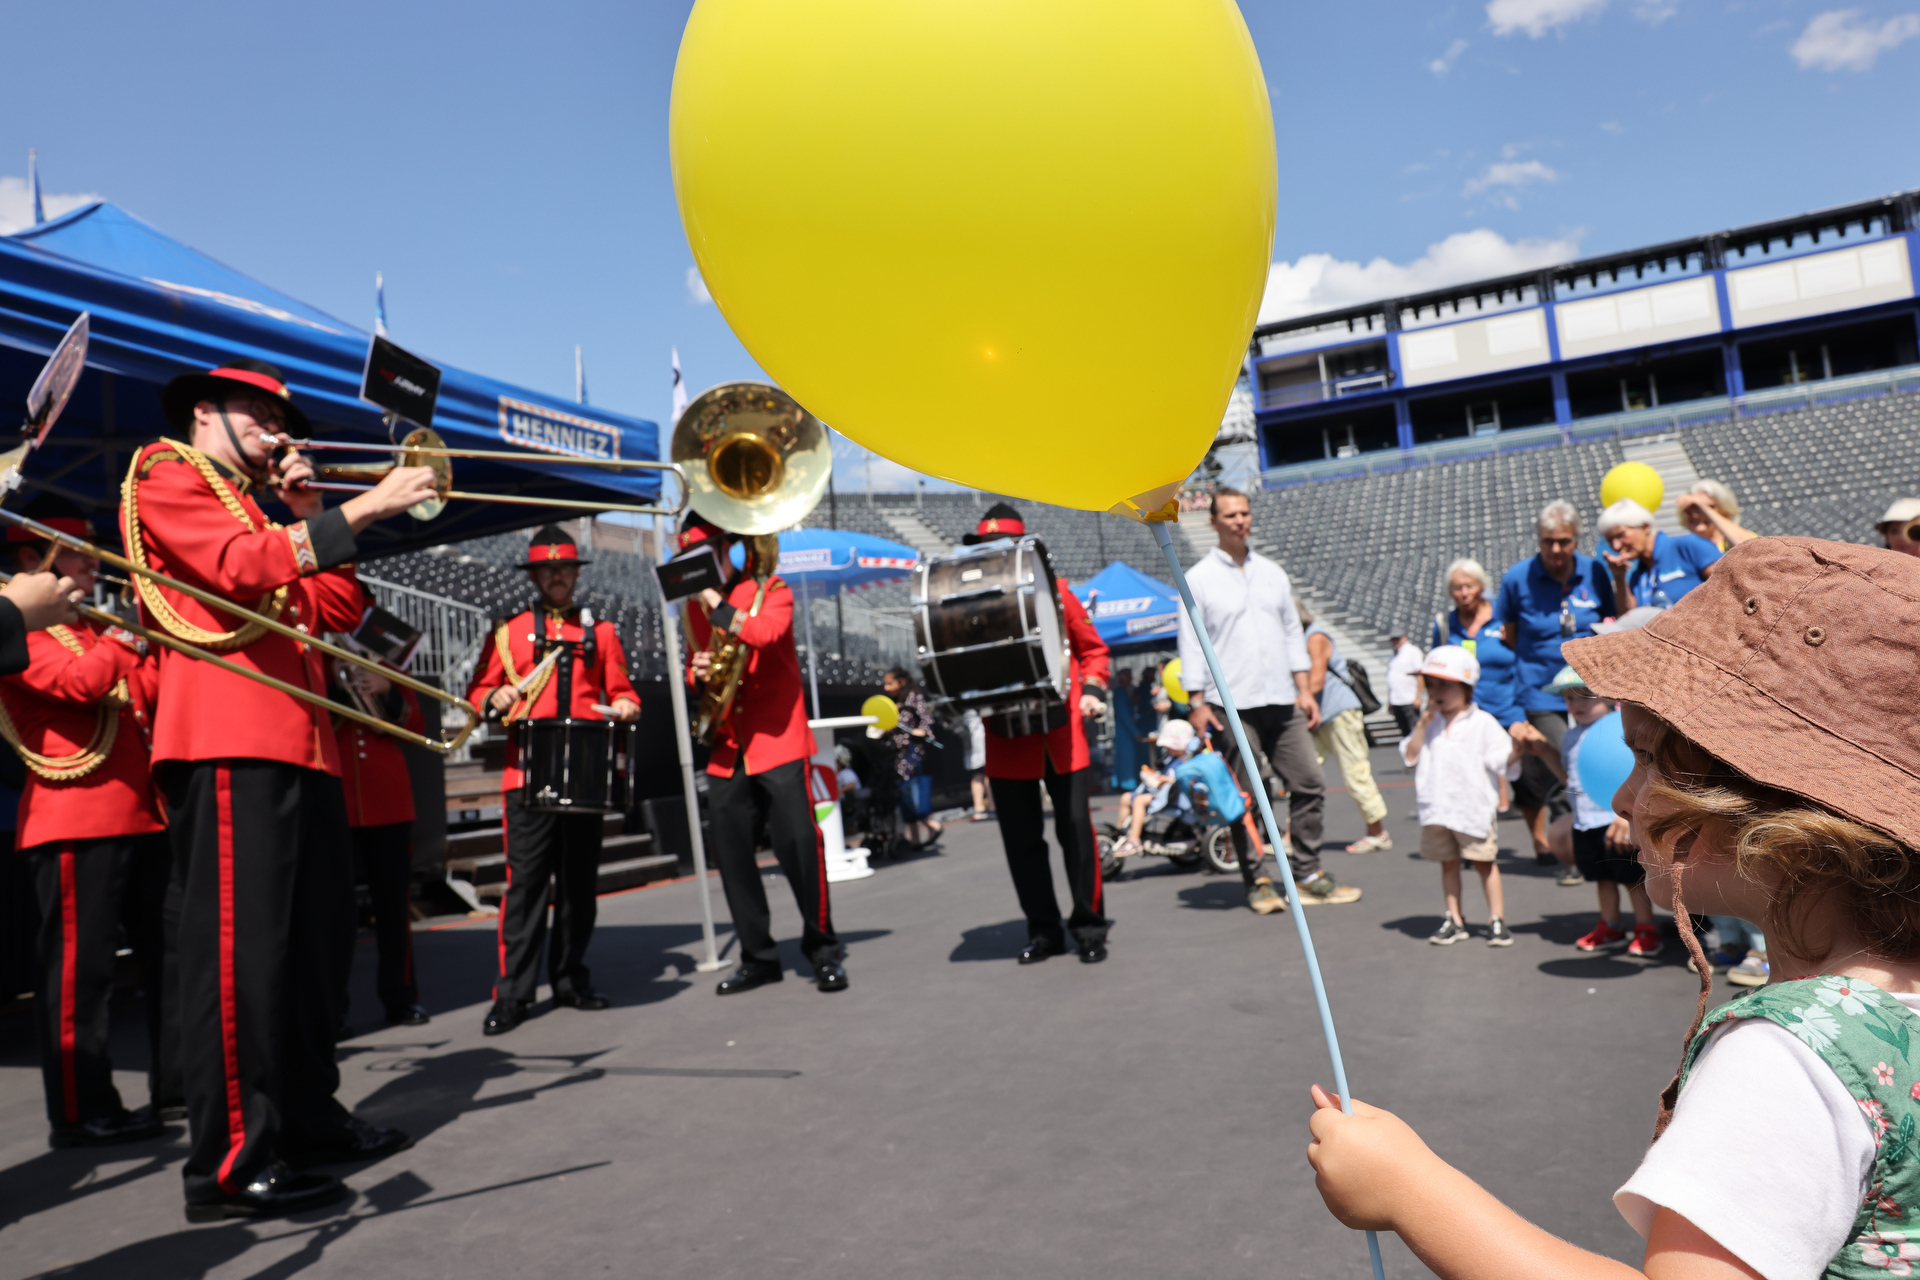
(1456, 781)
(1768, 1153)
(1401, 667)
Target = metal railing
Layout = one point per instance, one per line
(1332, 389)
(1613, 426)
(454, 630)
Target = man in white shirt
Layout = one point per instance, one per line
(1403, 682)
(1247, 604)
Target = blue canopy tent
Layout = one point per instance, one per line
(161, 309)
(826, 561)
(1130, 610)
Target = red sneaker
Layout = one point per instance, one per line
(1603, 938)
(1646, 942)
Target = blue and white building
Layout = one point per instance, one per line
(1719, 317)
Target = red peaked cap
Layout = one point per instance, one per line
(1001, 521)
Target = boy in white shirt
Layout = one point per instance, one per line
(1458, 754)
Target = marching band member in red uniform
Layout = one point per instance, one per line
(252, 784)
(758, 772)
(91, 828)
(550, 856)
(1017, 766)
(379, 793)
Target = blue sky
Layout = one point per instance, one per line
(506, 166)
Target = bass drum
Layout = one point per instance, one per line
(576, 766)
(991, 635)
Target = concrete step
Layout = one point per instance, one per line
(1668, 456)
(484, 840)
(630, 872)
(917, 533)
(485, 869)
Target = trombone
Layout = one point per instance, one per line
(423, 447)
(208, 598)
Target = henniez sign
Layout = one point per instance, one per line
(400, 382)
(535, 426)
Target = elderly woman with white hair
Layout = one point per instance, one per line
(1649, 567)
(1710, 510)
(1545, 601)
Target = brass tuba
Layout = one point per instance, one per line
(756, 462)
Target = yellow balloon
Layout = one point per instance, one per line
(884, 710)
(1634, 480)
(1170, 681)
(1020, 245)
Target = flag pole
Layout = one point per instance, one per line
(1163, 536)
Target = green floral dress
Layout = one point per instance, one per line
(1867, 1038)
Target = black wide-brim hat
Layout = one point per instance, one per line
(553, 545)
(1001, 521)
(240, 374)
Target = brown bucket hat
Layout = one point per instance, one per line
(1798, 663)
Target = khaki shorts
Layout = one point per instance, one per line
(1441, 844)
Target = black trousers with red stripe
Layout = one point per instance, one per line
(383, 861)
(262, 854)
(1023, 832)
(551, 858)
(779, 799)
(90, 892)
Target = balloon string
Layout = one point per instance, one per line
(1164, 537)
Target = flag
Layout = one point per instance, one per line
(579, 376)
(379, 304)
(679, 388)
(33, 186)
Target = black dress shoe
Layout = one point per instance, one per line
(1039, 949)
(277, 1190)
(747, 977)
(590, 1000)
(107, 1131)
(171, 1112)
(504, 1017)
(1093, 951)
(830, 975)
(353, 1140)
(407, 1015)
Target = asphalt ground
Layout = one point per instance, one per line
(952, 1114)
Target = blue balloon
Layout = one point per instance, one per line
(1603, 760)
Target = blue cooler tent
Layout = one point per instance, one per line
(161, 309)
(1130, 610)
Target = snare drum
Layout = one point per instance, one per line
(576, 766)
(992, 637)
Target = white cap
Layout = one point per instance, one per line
(1175, 737)
(1451, 662)
(1903, 510)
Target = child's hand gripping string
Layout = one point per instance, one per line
(1375, 1174)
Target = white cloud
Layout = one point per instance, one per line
(1840, 40)
(1321, 282)
(16, 206)
(1655, 12)
(1537, 17)
(697, 288)
(1510, 173)
(1444, 63)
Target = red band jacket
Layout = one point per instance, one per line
(82, 709)
(1065, 747)
(188, 517)
(373, 768)
(768, 718)
(510, 657)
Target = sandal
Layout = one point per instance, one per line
(1372, 844)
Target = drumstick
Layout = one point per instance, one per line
(605, 710)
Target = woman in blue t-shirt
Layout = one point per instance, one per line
(1469, 624)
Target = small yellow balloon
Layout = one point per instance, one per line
(1170, 681)
(1017, 245)
(884, 710)
(1634, 480)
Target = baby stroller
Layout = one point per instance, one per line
(877, 814)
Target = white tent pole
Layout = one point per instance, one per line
(677, 693)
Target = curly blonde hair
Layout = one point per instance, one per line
(1801, 850)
